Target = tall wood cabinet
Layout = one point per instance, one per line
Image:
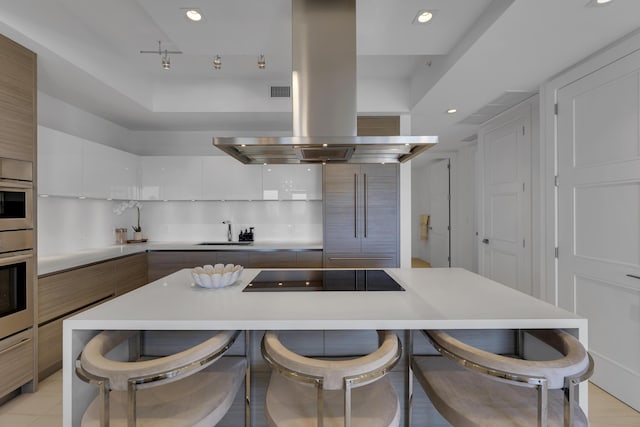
(17, 101)
(361, 215)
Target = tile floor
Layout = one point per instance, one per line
(44, 408)
(40, 409)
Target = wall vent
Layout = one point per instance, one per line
(280, 91)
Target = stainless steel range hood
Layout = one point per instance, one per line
(324, 92)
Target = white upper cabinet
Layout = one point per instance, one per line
(109, 173)
(224, 178)
(171, 178)
(292, 182)
(59, 163)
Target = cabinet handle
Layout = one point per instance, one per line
(355, 206)
(366, 206)
(360, 258)
(8, 349)
(633, 276)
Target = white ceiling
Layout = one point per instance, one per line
(470, 54)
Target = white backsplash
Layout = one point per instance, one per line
(67, 225)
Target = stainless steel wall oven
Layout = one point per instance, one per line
(16, 195)
(17, 261)
(16, 291)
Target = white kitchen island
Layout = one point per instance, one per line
(433, 299)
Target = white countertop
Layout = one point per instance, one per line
(434, 298)
(55, 263)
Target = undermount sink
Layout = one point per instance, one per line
(225, 243)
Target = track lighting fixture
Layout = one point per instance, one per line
(261, 62)
(164, 54)
(217, 62)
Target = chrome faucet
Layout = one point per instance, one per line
(229, 236)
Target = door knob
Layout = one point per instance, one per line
(485, 241)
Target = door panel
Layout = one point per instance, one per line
(380, 208)
(505, 255)
(439, 229)
(598, 218)
(341, 227)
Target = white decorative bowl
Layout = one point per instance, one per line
(216, 276)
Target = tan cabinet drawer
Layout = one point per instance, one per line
(16, 361)
(66, 292)
(278, 259)
(309, 259)
(129, 273)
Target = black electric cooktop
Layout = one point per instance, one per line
(322, 280)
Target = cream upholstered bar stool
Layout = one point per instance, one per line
(194, 387)
(315, 392)
(473, 387)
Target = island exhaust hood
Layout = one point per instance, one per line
(324, 95)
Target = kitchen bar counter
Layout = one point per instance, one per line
(58, 263)
(434, 298)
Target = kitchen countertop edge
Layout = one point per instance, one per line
(58, 263)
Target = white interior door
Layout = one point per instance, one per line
(599, 218)
(439, 225)
(505, 254)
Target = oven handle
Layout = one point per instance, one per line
(8, 259)
(16, 345)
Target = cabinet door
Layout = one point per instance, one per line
(292, 182)
(171, 178)
(17, 101)
(59, 163)
(380, 206)
(342, 225)
(129, 273)
(63, 293)
(224, 178)
(16, 361)
(109, 173)
(276, 259)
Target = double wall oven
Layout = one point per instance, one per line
(17, 262)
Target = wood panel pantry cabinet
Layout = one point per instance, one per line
(361, 215)
(17, 101)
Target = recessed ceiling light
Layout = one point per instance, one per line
(193, 15)
(452, 111)
(423, 16)
(598, 3)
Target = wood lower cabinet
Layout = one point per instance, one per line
(16, 361)
(361, 216)
(61, 295)
(163, 263)
(129, 273)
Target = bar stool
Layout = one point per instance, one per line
(306, 391)
(182, 389)
(473, 387)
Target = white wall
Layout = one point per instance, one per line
(69, 224)
(61, 116)
(283, 221)
(464, 240)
